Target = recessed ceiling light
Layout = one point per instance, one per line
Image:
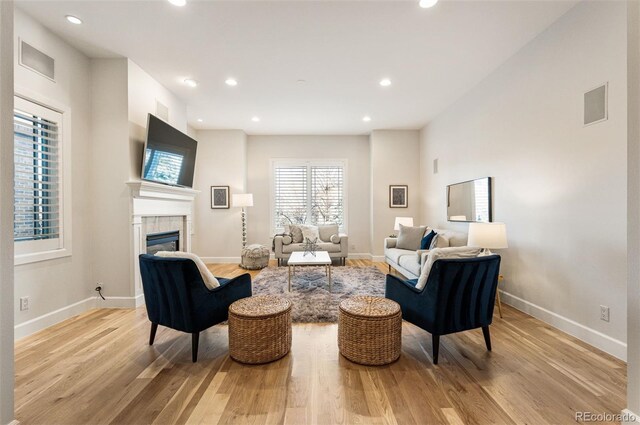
(74, 19)
(366, 118)
(178, 2)
(200, 120)
(255, 119)
(231, 82)
(385, 82)
(190, 82)
(425, 4)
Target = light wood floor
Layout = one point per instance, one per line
(97, 368)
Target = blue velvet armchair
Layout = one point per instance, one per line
(459, 295)
(176, 297)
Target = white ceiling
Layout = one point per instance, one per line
(340, 48)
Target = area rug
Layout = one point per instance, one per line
(310, 296)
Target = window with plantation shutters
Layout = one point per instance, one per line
(308, 192)
(38, 206)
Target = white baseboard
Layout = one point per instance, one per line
(599, 340)
(628, 417)
(121, 302)
(37, 324)
(221, 260)
(359, 256)
(378, 258)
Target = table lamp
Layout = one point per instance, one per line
(488, 236)
(243, 200)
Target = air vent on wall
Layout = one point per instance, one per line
(37, 61)
(595, 105)
(162, 111)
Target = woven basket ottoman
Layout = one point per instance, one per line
(254, 257)
(259, 329)
(370, 330)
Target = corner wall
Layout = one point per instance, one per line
(395, 160)
(111, 168)
(559, 186)
(221, 161)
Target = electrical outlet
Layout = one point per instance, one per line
(24, 303)
(604, 313)
(353, 246)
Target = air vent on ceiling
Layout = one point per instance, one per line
(162, 111)
(37, 61)
(595, 105)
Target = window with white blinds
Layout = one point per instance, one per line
(37, 178)
(308, 192)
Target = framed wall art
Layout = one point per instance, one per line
(398, 196)
(219, 197)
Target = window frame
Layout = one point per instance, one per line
(299, 162)
(27, 252)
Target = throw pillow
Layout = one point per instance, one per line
(309, 232)
(207, 277)
(287, 239)
(440, 241)
(335, 238)
(295, 231)
(440, 253)
(425, 243)
(326, 231)
(410, 237)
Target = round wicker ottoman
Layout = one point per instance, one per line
(259, 329)
(370, 330)
(254, 257)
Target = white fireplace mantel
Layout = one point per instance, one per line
(149, 190)
(157, 200)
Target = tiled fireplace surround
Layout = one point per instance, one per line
(157, 208)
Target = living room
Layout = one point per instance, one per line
(401, 103)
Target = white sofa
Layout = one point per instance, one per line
(337, 250)
(409, 263)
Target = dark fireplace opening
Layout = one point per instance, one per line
(166, 241)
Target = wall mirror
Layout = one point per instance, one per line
(470, 201)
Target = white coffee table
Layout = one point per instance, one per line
(300, 259)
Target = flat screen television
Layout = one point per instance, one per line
(169, 154)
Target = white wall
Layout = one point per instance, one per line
(6, 213)
(395, 160)
(111, 167)
(143, 92)
(559, 186)
(633, 207)
(355, 149)
(221, 161)
(56, 284)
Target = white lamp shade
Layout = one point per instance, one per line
(405, 221)
(488, 235)
(242, 199)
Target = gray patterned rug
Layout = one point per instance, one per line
(310, 296)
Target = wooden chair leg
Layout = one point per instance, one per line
(152, 335)
(195, 338)
(487, 337)
(436, 347)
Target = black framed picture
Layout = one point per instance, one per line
(219, 197)
(398, 196)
